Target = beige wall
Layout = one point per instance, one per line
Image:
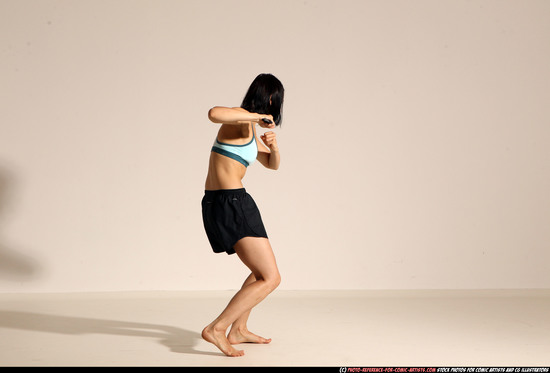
(415, 143)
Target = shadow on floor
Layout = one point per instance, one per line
(176, 339)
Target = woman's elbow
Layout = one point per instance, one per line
(212, 114)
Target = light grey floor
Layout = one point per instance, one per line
(309, 328)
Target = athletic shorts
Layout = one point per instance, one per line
(229, 215)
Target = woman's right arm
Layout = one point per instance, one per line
(227, 115)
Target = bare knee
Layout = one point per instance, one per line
(257, 255)
(273, 281)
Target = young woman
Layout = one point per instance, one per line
(231, 218)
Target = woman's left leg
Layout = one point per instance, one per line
(239, 332)
(257, 255)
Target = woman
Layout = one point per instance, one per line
(231, 218)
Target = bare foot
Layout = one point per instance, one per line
(219, 339)
(244, 336)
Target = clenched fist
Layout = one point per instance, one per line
(270, 140)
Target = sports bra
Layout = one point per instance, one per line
(246, 154)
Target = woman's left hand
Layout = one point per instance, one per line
(270, 140)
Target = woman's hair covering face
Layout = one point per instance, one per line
(265, 96)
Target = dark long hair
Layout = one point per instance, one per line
(265, 96)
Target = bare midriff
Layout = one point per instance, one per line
(224, 173)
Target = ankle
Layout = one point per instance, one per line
(238, 329)
(216, 328)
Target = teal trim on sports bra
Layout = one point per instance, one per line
(245, 154)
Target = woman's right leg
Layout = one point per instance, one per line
(257, 255)
(239, 332)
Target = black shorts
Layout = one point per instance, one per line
(229, 215)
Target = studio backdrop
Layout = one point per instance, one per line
(414, 143)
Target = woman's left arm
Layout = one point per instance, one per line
(269, 156)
